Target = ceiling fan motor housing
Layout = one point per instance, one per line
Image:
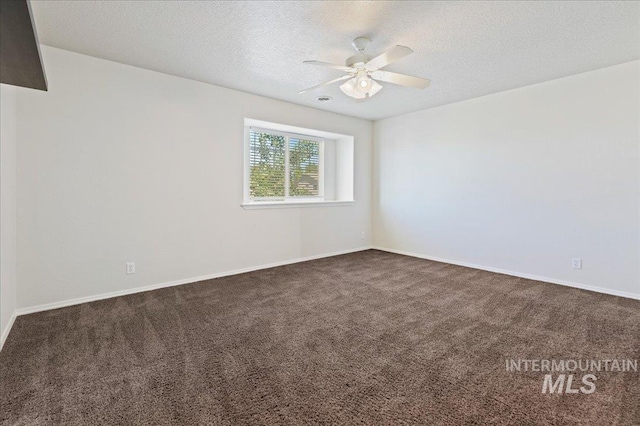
(357, 61)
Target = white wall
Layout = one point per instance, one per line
(7, 209)
(521, 181)
(117, 164)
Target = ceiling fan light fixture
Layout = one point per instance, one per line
(363, 82)
(375, 88)
(349, 89)
(352, 88)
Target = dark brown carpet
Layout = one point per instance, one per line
(364, 338)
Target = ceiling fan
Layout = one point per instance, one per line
(363, 71)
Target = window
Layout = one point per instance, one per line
(289, 167)
(285, 166)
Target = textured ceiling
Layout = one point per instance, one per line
(467, 49)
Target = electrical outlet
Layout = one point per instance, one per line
(131, 268)
(362, 235)
(576, 262)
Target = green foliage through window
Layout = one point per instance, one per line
(304, 168)
(268, 168)
(266, 159)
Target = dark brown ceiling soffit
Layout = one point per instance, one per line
(20, 60)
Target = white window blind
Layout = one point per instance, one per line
(304, 168)
(284, 166)
(267, 165)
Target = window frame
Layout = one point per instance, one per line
(287, 199)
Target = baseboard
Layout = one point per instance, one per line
(516, 274)
(71, 302)
(77, 301)
(7, 330)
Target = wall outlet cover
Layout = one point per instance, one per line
(576, 262)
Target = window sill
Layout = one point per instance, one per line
(294, 204)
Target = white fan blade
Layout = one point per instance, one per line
(328, 65)
(344, 77)
(401, 79)
(390, 56)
